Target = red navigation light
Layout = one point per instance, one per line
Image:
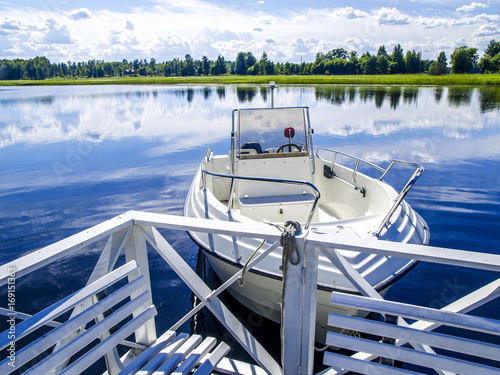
(289, 132)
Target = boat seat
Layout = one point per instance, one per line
(98, 323)
(252, 146)
(295, 198)
(279, 208)
(242, 152)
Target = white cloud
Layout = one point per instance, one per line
(486, 30)
(430, 23)
(391, 16)
(56, 33)
(226, 35)
(471, 7)
(479, 19)
(80, 14)
(10, 24)
(174, 28)
(348, 13)
(173, 45)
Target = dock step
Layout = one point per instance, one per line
(180, 355)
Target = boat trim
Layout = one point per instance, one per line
(379, 287)
(233, 177)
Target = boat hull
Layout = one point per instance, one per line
(261, 291)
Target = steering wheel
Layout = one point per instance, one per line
(289, 145)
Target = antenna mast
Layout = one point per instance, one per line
(272, 86)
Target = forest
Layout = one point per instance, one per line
(338, 61)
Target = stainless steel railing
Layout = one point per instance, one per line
(307, 184)
(401, 195)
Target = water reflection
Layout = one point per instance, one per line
(395, 95)
(459, 96)
(246, 94)
(71, 157)
(182, 118)
(489, 97)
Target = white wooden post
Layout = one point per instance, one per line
(299, 313)
(310, 297)
(135, 249)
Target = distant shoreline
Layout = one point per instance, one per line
(396, 79)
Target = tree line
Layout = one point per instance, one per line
(337, 61)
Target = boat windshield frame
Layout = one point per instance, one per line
(269, 127)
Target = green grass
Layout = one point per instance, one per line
(401, 79)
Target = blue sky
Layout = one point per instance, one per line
(287, 30)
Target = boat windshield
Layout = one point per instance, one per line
(272, 131)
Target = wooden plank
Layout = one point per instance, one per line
(292, 314)
(408, 355)
(208, 365)
(105, 346)
(486, 261)
(195, 356)
(46, 341)
(359, 366)
(234, 367)
(256, 260)
(176, 358)
(308, 335)
(161, 357)
(22, 316)
(152, 350)
(39, 258)
(475, 323)
(299, 315)
(456, 344)
(104, 265)
(192, 224)
(440, 255)
(136, 250)
(465, 304)
(110, 254)
(221, 312)
(60, 307)
(240, 333)
(350, 273)
(88, 336)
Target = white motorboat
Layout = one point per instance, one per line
(273, 174)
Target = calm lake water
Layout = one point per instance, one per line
(72, 157)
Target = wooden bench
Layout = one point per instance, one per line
(278, 208)
(454, 354)
(97, 325)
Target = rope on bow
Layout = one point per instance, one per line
(289, 243)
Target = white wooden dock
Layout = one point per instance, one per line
(115, 311)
